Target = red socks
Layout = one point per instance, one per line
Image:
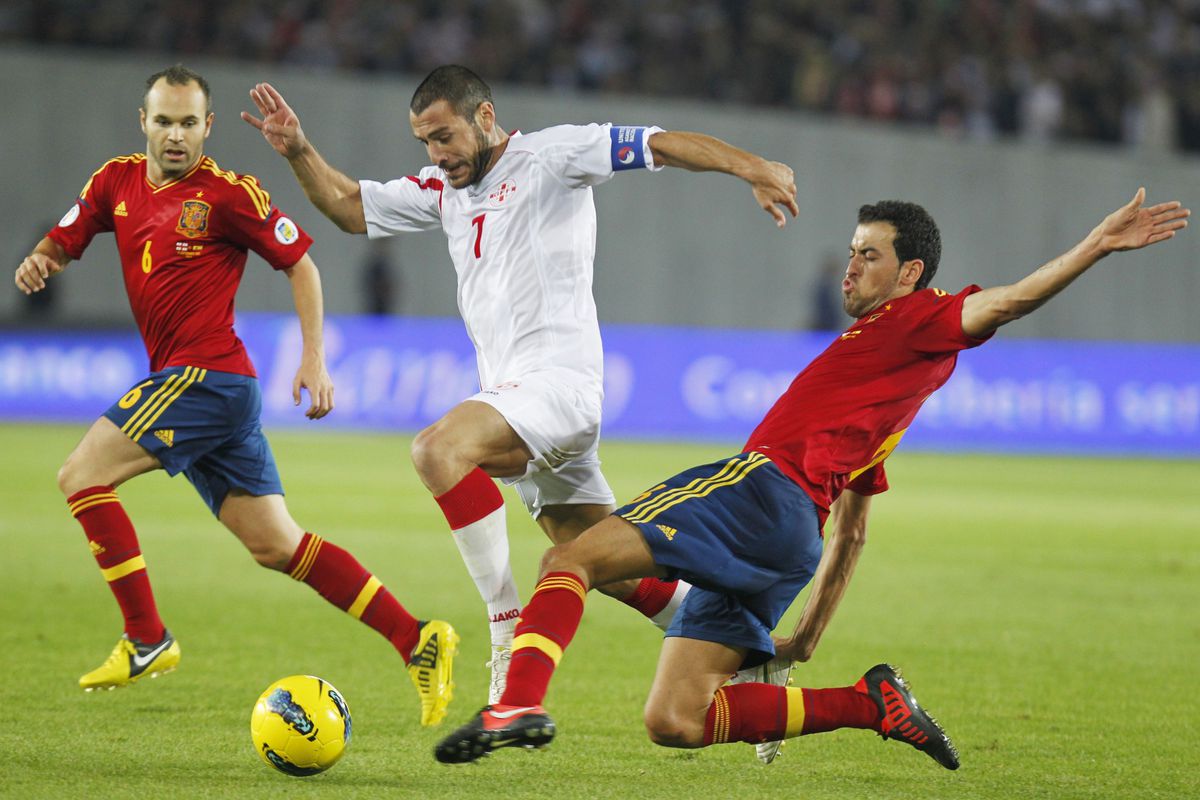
(339, 578)
(651, 596)
(114, 544)
(471, 499)
(830, 709)
(759, 712)
(546, 627)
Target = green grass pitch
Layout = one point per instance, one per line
(1046, 610)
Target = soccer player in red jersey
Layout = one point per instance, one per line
(183, 227)
(747, 531)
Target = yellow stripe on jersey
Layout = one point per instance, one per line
(83, 504)
(156, 189)
(734, 471)
(538, 642)
(135, 158)
(258, 195)
(365, 596)
(118, 571)
(884, 450)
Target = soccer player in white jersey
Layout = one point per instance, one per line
(518, 214)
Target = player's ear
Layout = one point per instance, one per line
(911, 271)
(142, 119)
(208, 121)
(485, 116)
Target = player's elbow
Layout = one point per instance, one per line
(350, 224)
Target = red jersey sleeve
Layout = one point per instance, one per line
(871, 481)
(937, 322)
(91, 214)
(255, 223)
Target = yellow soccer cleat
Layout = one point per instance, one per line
(432, 667)
(130, 661)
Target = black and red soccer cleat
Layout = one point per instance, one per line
(495, 727)
(902, 718)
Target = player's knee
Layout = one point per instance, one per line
(71, 478)
(428, 450)
(669, 728)
(271, 555)
(561, 558)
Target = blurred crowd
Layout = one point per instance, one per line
(1123, 72)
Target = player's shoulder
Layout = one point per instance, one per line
(555, 136)
(122, 164)
(208, 169)
(239, 187)
(933, 296)
(115, 169)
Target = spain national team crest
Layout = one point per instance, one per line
(193, 220)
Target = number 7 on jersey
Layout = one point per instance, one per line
(478, 223)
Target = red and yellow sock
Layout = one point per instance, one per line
(343, 581)
(546, 627)
(114, 544)
(759, 712)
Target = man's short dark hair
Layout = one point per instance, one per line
(179, 75)
(460, 87)
(916, 233)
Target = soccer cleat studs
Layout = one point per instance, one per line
(528, 727)
(902, 718)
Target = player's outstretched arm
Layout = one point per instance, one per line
(312, 374)
(845, 535)
(47, 259)
(1131, 227)
(335, 194)
(773, 183)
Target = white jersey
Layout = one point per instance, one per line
(523, 240)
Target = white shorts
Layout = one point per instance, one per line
(558, 418)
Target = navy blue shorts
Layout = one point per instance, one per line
(744, 535)
(205, 425)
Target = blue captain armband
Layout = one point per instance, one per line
(628, 147)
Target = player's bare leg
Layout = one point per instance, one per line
(266, 528)
(105, 456)
(456, 458)
(612, 551)
(102, 461)
(689, 707)
(689, 673)
(656, 599)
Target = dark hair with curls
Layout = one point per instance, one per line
(916, 234)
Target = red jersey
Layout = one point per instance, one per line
(183, 249)
(846, 412)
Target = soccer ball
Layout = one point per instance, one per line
(300, 725)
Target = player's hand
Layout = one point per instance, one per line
(279, 124)
(774, 187)
(34, 270)
(315, 378)
(1132, 226)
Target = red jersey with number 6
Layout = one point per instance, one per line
(846, 412)
(183, 248)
